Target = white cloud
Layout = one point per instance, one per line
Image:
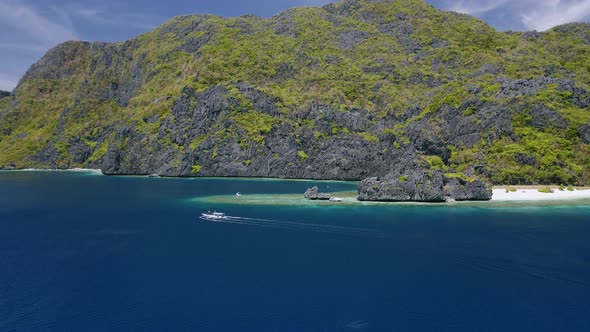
(522, 14)
(549, 13)
(25, 19)
(28, 33)
(477, 7)
(30, 28)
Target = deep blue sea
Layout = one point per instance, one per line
(85, 252)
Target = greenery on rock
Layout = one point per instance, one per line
(382, 80)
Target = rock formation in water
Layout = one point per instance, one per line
(358, 89)
(313, 193)
(420, 186)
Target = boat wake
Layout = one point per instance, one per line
(292, 225)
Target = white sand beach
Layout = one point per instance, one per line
(500, 194)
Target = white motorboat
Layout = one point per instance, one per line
(213, 216)
(335, 199)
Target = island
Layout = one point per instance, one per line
(414, 103)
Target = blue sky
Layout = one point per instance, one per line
(28, 28)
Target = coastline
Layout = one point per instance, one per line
(229, 178)
(81, 170)
(500, 193)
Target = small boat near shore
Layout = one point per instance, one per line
(335, 199)
(214, 216)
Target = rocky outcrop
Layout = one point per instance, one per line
(543, 117)
(585, 133)
(530, 87)
(525, 159)
(59, 63)
(126, 73)
(420, 186)
(314, 194)
(203, 123)
(460, 189)
(9, 167)
(350, 38)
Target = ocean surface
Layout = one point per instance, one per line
(85, 252)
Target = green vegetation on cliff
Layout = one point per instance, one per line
(354, 89)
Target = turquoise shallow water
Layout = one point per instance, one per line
(80, 251)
